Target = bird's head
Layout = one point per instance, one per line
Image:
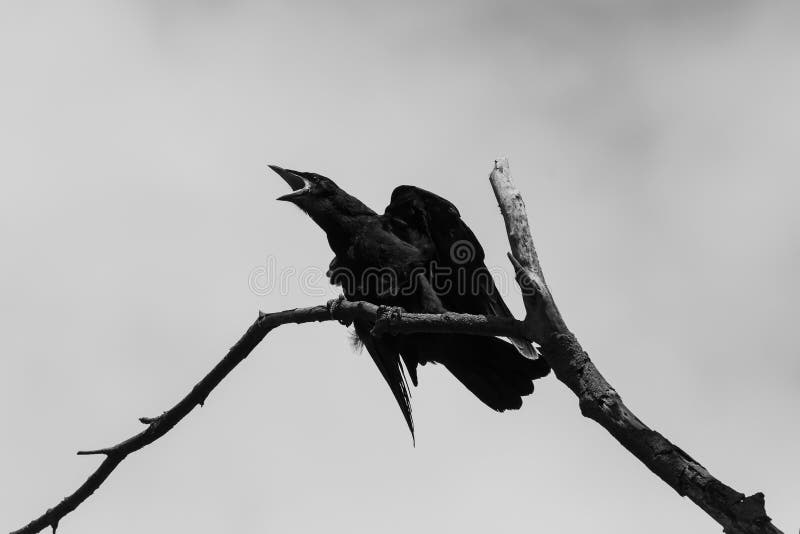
(308, 188)
(320, 197)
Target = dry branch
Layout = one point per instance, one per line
(387, 320)
(736, 513)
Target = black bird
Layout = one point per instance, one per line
(418, 255)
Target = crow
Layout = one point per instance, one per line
(420, 256)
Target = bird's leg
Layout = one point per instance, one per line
(428, 297)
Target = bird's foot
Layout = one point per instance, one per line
(334, 307)
(386, 316)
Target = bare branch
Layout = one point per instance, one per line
(736, 513)
(387, 321)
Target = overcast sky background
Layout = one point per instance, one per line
(656, 144)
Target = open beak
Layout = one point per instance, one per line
(299, 184)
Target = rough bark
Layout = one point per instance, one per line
(598, 401)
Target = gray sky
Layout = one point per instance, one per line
(656, 145)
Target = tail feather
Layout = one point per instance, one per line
(492, 369)
(385, 354)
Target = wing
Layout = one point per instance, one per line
(434, 226)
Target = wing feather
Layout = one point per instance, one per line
(434, 225)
